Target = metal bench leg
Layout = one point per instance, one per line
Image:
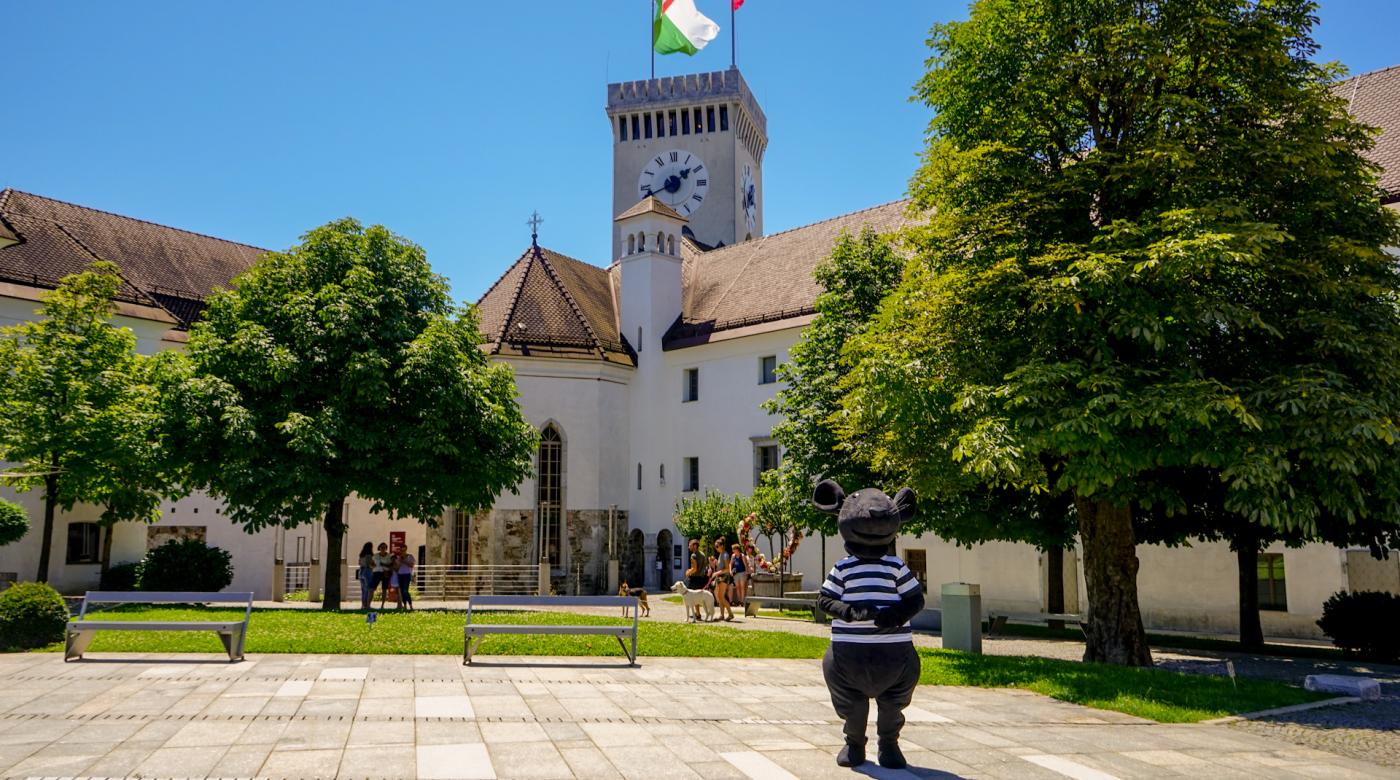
(76, 644)
(996, 624)
(467, 651)
(632, 654)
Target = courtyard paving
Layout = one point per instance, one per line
(428, 716)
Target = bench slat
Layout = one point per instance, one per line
(550, 601)
(142, 625)
(511, 628)
(165, 597)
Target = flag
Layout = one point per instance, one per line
(737, 5)
(679, 27)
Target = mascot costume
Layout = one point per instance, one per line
(871, 595)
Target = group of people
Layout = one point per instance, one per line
(725, 571)
(383, 569)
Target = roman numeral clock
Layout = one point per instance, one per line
(677, 178)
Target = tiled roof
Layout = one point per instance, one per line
(162, 266)
(551, 305)
(1374, 99)
(649, 205)
(769, 278)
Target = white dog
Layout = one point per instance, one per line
(694, 600)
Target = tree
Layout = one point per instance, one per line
(1152, 245)
(77, 408)
(14, 522)
(340, 366)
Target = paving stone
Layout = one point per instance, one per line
(455, 762)
(180, 761)
(379, 761)
(301, 763)
(528, 760)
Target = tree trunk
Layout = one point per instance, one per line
(332, 562)
(46, 544)
(1055, 585)
(1114, 634)
(1251, 631)
(106, 558)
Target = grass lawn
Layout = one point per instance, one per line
(1184, 642)
(1169, 697)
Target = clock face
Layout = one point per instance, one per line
(679, 179)
(748, 197)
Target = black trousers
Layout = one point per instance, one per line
(856, 673)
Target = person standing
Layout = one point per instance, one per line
(721, 577)
(739, 567)
(697, 575)
(364, 573)
(404, 564)
(383, 573)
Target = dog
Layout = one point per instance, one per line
(641, 596)
(694, 600)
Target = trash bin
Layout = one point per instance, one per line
(962, 617)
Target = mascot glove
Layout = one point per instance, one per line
(859, 613)
(887, 618)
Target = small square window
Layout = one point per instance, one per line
(83, 539)
(692, 475)
(768, 370)
(1272, 593)
(690, 387)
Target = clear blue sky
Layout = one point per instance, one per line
(450, 121)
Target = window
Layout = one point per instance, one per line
(646, 125)
(692, 475)
(639, 338)
(461, 538)
(765, 458)
(83, 542)
(639, 476)
(671, 123)
(723, 118)
(635, 123)
(660, 124)
(1272, 594)
(631, 245)
(690, 390)
(768, 370)
(549, 495)
(663, 475)
(685, 122)
(710, 117)
(699, 123)
(622, 128)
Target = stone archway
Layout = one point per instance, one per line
(634, 560)
(663, 555)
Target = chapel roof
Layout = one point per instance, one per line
(1374, 99)
(649, 205)
(550, 305)
(160, 266)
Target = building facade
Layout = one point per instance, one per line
(645, 376)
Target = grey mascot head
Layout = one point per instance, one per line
(868, 519)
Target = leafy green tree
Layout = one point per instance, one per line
(14, 522)
(340, 366)
(78, 408)
(710, 515)
(1152, 245)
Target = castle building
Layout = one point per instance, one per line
(645, 375)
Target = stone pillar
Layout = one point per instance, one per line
(544, 578)
(613, 580)
(313, 582)
(279, 581)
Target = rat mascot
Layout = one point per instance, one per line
(872, 595)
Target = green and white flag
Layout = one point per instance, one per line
(679, 27)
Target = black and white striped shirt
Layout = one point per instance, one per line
(873, 584)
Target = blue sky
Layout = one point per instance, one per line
(451, 121)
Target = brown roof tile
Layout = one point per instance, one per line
(551, 304)
(649, 205)
(1374, 99)
(164, 266)
(769, 278)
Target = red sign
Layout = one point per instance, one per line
(398, 539)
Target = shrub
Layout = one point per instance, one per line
(32, 614)
(14, 523)
(1363, 624)
(122, 576)
(187, 564)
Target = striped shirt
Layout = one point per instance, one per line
(873, 584)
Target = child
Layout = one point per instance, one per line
(871, 595)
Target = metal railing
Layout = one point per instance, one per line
(296, 577)
(449, 583)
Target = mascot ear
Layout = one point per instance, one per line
(827, 496)
(905, 504)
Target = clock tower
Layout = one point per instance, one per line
(696, 143)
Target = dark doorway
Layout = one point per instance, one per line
(663, 558)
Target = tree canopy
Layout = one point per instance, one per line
(79, 408)
(1152, 245)
(340, 367)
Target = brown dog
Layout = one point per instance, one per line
(641, 594)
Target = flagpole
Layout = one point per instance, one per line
(732, 33)
(651, 44)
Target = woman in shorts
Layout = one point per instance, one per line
(739, 567)
(721, 578)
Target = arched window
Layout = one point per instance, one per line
(670, 245)
(549, 498)
(631, 245)
(660, 241)
(639, 476)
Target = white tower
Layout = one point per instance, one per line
(695, 142)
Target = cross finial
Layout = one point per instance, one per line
(534, 223)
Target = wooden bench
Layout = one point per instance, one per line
(996, 622)
(231, 632)
(751, 605)
(475, 632)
